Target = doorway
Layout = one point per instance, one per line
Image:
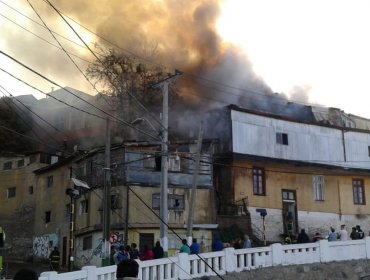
(146, 239)
(290, 217)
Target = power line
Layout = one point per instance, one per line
(47, 79)
(27, 124)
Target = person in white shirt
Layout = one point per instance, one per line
(343, 234)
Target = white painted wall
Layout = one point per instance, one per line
(310, 221)
(256, 135)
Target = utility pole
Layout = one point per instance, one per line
(107, 203)
(164, 162)
(194, 187)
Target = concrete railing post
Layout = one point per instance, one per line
(324, 251)
(277, 254)
(230, 259)
(91, 272)
(49, 275)
(367, 244)
(184, 264)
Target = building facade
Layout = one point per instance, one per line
(304, 175)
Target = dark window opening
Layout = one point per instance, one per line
(7, 165)
(47, 217)
(87, 243)
(30, 189)
(282, 138)
(49, 181)
(11, 192)
(20, 163)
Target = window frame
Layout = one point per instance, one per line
(358, 192)
(318, 187)
(171, 199)
(84, 207)
(282, 138)
(259, 181)
(8, 165)
(11, 192)
(87, 243)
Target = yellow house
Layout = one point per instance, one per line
(135, 199)
(18, 200)
(294, 175)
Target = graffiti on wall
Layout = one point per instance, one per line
(41, 246)
(97, 253)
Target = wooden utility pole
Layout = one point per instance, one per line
(164, 163)
(107, 202)
(193, 193)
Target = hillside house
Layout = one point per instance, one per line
(303, 174)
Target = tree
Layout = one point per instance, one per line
(126, 81)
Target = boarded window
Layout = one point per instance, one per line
(319, 188)
(259, 181)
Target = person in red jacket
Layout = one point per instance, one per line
(147, 254)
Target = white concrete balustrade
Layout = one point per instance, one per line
(186, 266)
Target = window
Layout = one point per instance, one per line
(20, 163)
(174, 163)
(87, 243)
(84, 207)
(174, 201)
(49, 181)
(67, 210)
(319, 188)
(114, 201)
(30, 189)
(11, 192)
(47, 217)
(282, 138)
(7, 165)
(368, 148)
(259, 181)
(358, 191)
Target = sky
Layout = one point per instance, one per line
(311, 51)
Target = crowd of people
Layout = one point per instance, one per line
(333, 235)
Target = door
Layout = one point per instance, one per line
(146, 239)
(290, 217)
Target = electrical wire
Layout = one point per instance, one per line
(49, 80)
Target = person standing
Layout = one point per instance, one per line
(134, 253)
(54, 259)
(158, 251)
(185, 248)
(147, 253)
(194, 247)
(360, 233)
(343, 234)
(332, 235)
(247, 242)
(303, 237)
